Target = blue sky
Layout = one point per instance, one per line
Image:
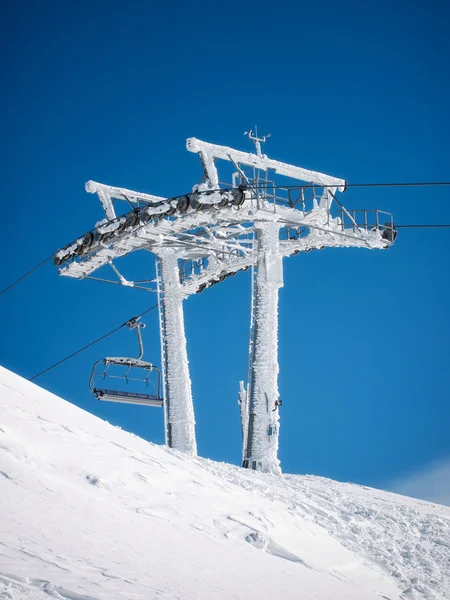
(110, 92)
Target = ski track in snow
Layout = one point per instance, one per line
(90, 512)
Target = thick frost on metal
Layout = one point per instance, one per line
(262, 443)
(324, 231)
(212, 232)
(243, 407)
(178, 393)
(208, 152)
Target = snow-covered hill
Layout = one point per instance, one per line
(88, 511)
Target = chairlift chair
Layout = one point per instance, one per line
(129, 376)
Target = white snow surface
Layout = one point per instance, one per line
(91, 512)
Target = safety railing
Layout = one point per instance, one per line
(367, 220)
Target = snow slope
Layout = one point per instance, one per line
(90, 512)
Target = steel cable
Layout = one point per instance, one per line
(90, 344)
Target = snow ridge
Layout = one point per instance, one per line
(90, 512)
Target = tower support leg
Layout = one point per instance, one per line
(178, 404)
(261, 451)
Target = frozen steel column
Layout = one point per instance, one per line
(263, 417)
(178, 404)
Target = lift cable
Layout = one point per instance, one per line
(418, 226)
(393, 184)
(26, 274)
(405, 184)
(348, 185)
(430, 226)
(91, 344)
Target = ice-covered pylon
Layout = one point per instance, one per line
(263, 402)
(205, 236)
(178, 404)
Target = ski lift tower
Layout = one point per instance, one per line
(283, 220)
(201, 238)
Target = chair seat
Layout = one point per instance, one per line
(130, 397)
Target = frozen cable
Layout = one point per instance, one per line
(90, 344)
(26, 274)
(347, 185)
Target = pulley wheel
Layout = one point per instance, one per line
(132, 219)
(238, 197)
(146, 215)
(195, 202)
(98, 237)
(183, 204)
(120, 229)
(109, 234)
(88, 241)
(390, 233)
(225, 200)
(85, 244)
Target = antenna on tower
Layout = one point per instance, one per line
(253, 136)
